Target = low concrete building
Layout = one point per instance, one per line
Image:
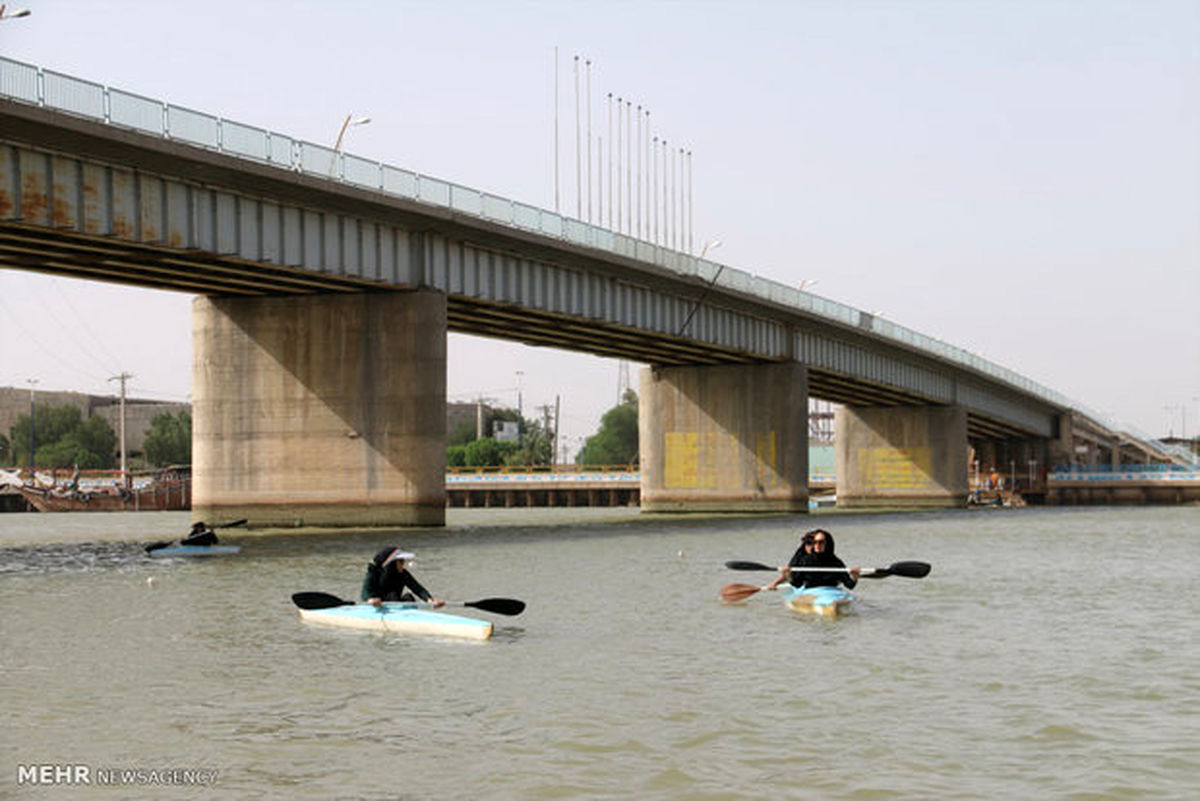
(139, 412)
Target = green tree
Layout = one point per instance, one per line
(5, 451)
(616, 442)
(169, 440)
(456, 456)
(536, 446)
(64, 439)
(488, 452)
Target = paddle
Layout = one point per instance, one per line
(323, 600)
(154, 546)
(732, 593)
(906, 569)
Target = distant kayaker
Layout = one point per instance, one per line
(200, 534)
(816, 550)
(387, 579)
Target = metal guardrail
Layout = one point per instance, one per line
(525, 479)
(1130, 476)
(1125, 468)
(42, 87)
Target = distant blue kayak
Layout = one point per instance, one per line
(195, 550)
(827, 601)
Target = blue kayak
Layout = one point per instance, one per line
(827, 601)
(195, 550)
(400, 618)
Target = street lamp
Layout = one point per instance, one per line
(346, 123)
(716, 243)
(32, 435)
(337, 143)
(20, 12)
(807, 282)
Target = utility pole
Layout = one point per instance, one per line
(32, 431)
(554, 451)
(123, 377)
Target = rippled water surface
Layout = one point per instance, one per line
(1051, 653)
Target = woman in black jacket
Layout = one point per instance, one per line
(387, 579)
(823, 556)
(816, 550)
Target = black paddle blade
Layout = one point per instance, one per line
(318, 600)
(235, 523)
(911, 569)
(501, 606)
(154, 546)
(749, 566)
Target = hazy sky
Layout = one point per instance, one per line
(1019, 178)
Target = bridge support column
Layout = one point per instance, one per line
(724, 439)
(320, 410)
(911, 456)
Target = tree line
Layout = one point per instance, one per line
(63, 438)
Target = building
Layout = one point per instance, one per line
(139, 412)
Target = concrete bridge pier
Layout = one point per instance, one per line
(729, 438)
(909, 456)
(320, 410)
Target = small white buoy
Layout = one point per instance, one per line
(150, 582)
(681, 553)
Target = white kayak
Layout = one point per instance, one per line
(400, 618)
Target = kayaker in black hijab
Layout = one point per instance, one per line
(823, 556)
(200, 534)
(801, 557)
(816, 550)
(387, 579)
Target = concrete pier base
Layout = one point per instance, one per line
(724, 439)
(912, 456)
(320, 410)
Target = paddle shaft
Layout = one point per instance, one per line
(909, 569)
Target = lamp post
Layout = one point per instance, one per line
(20, 12)
(346, 123)
(716, 243)
(337, 143)
(32, 428)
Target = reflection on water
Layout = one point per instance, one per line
(1050, 653)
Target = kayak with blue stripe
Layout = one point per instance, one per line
(195, 550)
(400, 618)
(826, 601)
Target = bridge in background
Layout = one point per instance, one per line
(327, 284)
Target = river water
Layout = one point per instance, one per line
(1051, 654)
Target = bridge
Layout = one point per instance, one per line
(326, 284)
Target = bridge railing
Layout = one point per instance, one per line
(42, 87)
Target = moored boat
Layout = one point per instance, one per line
(825, 601)
(400, 618)
(111, 491)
